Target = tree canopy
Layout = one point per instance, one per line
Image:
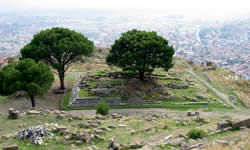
(58, 47)
(141, 51)
(26, 75)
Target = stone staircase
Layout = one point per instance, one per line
(93, 101)
(88, 101)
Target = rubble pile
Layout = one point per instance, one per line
(33, 134)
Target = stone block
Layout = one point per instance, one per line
(189, 114)
(14, 114)
(198, 119)
(100, 91)
(34, 112)
(197, 113)
(222, 125)
(193, 103)
(113, 101)
(242, 123)
(87, 101)
(15, 147)
(135, 101)
(61, 129)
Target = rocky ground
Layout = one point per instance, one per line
(128, 129)
(145, 128)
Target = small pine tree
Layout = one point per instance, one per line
(102, 108)
(26, 75)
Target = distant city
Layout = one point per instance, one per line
(224, 42)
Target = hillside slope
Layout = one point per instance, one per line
(224, 81)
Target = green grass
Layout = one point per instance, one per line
(83, 93)
(238, 100)
(92, 83)
(100, 73)
(65, 100)
(115, 82)
(189, 92)
(167, 105)
(219, 85)
(25, 145)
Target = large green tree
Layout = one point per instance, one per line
(141, 52)
(58, 47)
(26, 75)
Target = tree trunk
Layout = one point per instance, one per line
(62, 87)
(33, 103)
(141, 76)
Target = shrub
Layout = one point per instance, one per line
(102, 108)
(196, 134)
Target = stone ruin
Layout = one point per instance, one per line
(175, 85)
(14, 114)
(87, 101)
(228, 124)
(208, 65)
(99, 90)
(33, 134)
(103, 90)
(189, 113)
(242, 123)
(197, 119)
(139, 101)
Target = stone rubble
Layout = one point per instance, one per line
(34, 112)
(222, 143)
(136, 145)
(228, 124)
(139, 131)
(197, 146)
(92, 128)
(33, 134)
(116, 116)
(113, 145)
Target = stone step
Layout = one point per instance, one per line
(113, 101)
(93, 101)
(82, 105)
(88, 99)
(85, 103)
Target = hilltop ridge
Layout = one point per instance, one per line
(204, 97)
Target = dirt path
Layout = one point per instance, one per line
(218, 93)
(121, 111)
(234, 114)
(49, 101)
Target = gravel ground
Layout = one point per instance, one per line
(234, 114)
(50, 102)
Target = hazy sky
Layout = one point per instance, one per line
(226, 4)
(191, 7)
